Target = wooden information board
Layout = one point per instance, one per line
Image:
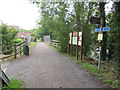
(75, 38)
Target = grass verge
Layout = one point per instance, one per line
(32, 44)
(14, 83)
(105, 74)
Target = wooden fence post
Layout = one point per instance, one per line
(20, 49)
(15, 51)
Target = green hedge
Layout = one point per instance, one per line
(17, 40)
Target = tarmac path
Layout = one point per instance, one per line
(46, 68)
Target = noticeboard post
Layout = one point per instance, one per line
(70, 43)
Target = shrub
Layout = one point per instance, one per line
(17, 40)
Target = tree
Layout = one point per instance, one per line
(83, 11)
(117, 32)
(113, 35)
(59, 20)
(8, 34)
(102, 15)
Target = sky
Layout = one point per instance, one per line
(108, 7)
(20, 13)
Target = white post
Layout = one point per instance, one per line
(99, 57)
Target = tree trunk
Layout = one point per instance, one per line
(102, 15)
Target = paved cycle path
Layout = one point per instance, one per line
(46, 68)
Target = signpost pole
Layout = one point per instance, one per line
(99, 57)
(99, 61)
(101, 31)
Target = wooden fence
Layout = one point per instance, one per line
(15, 49)
(55, 43)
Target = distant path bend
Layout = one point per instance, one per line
(46, 68)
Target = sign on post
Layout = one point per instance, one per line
(95, 20)
(102, 29)
(100, 36)
(74, 41)
(98, 30)
(75, 38)
(106, 28)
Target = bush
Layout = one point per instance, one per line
(17, 40)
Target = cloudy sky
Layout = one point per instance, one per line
(22, 13)
(19, 12)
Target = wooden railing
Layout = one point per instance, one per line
(55, 43)
(13, 49)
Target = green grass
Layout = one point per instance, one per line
(33, 43)
(102, 74)
(105, 73)
(14, 83)
(55, 49)
(91, 68)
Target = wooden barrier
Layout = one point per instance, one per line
(4, 78)
(55, 43)
(15, 49)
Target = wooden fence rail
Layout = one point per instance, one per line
(55, 43)
(15, 49)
